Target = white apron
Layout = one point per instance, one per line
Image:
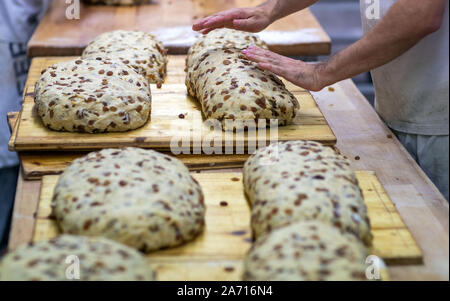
(412, 91)
(412, 98)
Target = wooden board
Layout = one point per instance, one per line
(219, 251)
(35, 165)
(171, 22)
(167, 104)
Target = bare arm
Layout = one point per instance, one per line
(252, 19)
(405, 24)
(282, 8)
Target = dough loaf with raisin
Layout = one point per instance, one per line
(222, 38)
(92, 96)
(139, 50)
(99, 259)
(295, 181)
(306, 251)
(229, 87)
(137, 197)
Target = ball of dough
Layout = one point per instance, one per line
(231, 88)
(306, 251)
(139, 50)
(140, 198)
(99, 260)
(222, 38)
(295, 181)
(92, 96)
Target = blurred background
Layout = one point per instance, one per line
(343, 28)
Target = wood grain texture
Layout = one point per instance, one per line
(166, 126)
(228, 226)
(12, 117)
(24, 212)
(35, 165)
(171, 21)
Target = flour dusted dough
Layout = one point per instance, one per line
(137, 197)
(228, 86)
(306, 251)
(302, 180)
(92, 96)
(117, 2)
(139, 50)
(100, 260)
(222, 38)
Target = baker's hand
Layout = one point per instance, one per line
(252, 19)
(302, 74)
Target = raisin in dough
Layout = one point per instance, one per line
(137, 197)
(220, 38)
(92, 96)
(306, 251)
(228, 86)
(301, 180)
(139, 50)
(100, 259)
(117, 2)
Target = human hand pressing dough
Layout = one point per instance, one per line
(302, 74)
(251, 19)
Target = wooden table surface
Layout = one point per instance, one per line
(365, 139)
(171, 21)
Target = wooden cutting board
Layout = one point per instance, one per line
(168, 104)
(217, 254)
(171, 22)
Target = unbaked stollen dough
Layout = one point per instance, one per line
(306, 251)
(92, 96)
(229, 87)
(222, 38)
(139, 50)
(137, 197)
(99, 259)
(295, 181)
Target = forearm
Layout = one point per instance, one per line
(405, 24)
(282, 8)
